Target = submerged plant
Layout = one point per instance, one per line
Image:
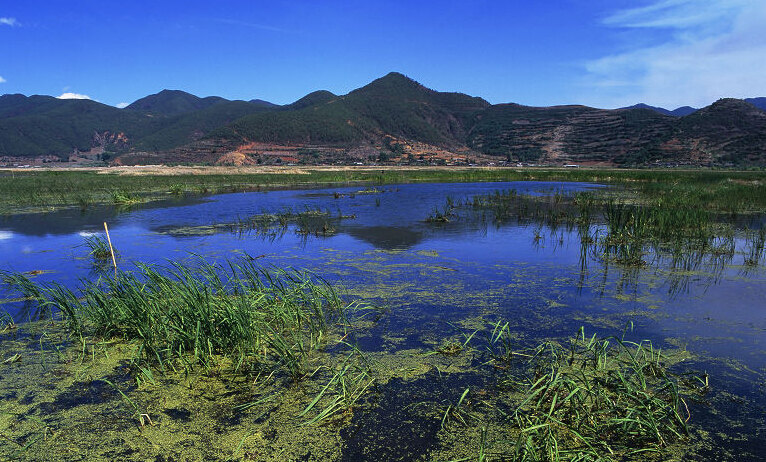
(457, 412)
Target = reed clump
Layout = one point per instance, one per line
(623, 229)
(596, 399)
(99, 249)
(235, 313)
(122, 198)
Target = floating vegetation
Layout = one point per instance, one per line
(313, 222)
(177, 189)
(372, 190)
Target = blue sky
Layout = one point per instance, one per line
(602, 53)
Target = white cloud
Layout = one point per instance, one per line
(122, 105)
(715, 49)
(9, 22)
(5, 235)
(2, 80)
(69, 95)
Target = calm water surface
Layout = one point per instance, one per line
(442, 280)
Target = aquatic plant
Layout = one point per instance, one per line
(444, 215)
(258, 317)
(142, 417)
(756, 244)
(125, 199)
(6, 321)
(99, 249)
(457, 412)
(350, 380)
(596, 399)
(176, 189)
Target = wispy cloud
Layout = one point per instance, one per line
(9, 22)
(714, 49)
(70, 95)
(252, 25)
(122, 105)
(2, 80)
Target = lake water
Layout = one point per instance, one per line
(441, 281)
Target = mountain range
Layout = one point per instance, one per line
(392, 119)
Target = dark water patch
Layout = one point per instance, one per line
(399, 426)
(387, 237)
(92, 392)
(729, 421)
(178, 413)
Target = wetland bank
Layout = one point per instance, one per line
(398, 315)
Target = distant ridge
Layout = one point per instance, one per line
(678, 112)
(391, 119)
(760, 103)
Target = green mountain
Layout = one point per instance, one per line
(312, 99)
(393, 114)
(392, 105)
(402, 107)
(264, 104)
(172, 102)
(43, 125)
(185, 128)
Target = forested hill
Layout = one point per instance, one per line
(392, 119)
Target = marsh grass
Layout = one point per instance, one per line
(350, 380)
(123, 198)
(235, 313)
(623, 229)
(6, 321)
(596, 399)
(445, 215)
(731, 192)
(755, 246)
(99, 250)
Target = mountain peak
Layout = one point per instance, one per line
(312, 99)
(393, 81)
(172, 102)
